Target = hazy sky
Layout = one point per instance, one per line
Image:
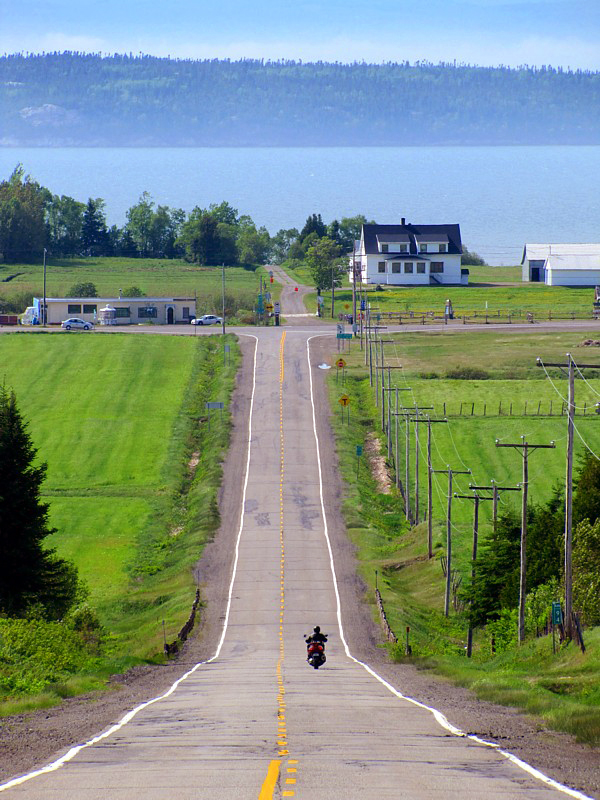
(558, 32)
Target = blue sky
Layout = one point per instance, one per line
(558, 32)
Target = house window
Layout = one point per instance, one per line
(89, 309)
(422, 248)
(186, 312)
(443, 248)
(396, 266)
(421, 268)
(408, 267)
(381, 266)
(122, 312)
(404, 248)
(385, 248)
(74, 308)
(147, 312)
(437, 266)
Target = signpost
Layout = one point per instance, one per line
(214, 406)
(341, 365)
(344, 402)
(359, 451)
(557, 619)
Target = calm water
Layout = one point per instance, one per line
(501, 196)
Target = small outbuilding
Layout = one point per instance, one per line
(561, 264)
(123, 310)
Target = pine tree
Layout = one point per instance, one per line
(31, 577)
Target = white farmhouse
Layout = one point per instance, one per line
(562, 264)
(408, 255)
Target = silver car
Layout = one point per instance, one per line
(207, 319)
(74, 323)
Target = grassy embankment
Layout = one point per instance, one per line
(121, 422)
(561, 688)
(155, 277)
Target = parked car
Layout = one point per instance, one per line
(76, 324)
(207, 319)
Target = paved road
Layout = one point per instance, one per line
(257, 721)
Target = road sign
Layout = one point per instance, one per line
(557, 616)
(340, 363)
(359, 449)
(340, 328)
(344, 400)
(215, 405)
(320, 300)
(269, 307)
(344, 335)
(277, 308)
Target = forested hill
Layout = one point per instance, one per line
(88, 100)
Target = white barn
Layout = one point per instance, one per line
(408, 255)
(562, 264)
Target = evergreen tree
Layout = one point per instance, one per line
(95, 240)
(31, 577)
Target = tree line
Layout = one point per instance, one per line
(69, 98)
(33, 219)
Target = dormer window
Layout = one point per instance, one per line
(385, 248)
(443, 248)
(404, 248)
(423, 247)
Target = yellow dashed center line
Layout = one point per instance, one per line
(282, 744)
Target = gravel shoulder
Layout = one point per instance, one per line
(31, 740)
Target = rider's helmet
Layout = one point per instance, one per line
(317, 629)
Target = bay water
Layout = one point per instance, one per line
(502, 197)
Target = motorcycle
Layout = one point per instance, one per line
(315, 654)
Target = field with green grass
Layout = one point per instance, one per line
(413, 586)
(155, 277)
(120, 421)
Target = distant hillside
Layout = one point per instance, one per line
(88, 100)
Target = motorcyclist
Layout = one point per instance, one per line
(316, 636)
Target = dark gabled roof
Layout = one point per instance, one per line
(440, 238)
(372, 232)
(394, 237)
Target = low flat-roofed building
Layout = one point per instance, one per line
(128, 310)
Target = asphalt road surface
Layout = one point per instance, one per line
(256, 721)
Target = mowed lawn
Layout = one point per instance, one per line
(101, 412)
(155, 277)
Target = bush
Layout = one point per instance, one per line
(467, 374)
(83, 290)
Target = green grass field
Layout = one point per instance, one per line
(413, 586)
(155, 277)
(117, 419)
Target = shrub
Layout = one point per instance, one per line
(467, 374)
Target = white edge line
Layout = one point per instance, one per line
(439, 717)
(70, 754)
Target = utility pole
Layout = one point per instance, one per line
(568, 555)
(525, 448)
(476, 498)
(397, 457)
(430, 489)
(385, 388)
(44, 310)
(450, 473)
(416, 421)
(223, 294)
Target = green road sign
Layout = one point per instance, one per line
(557, 616)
